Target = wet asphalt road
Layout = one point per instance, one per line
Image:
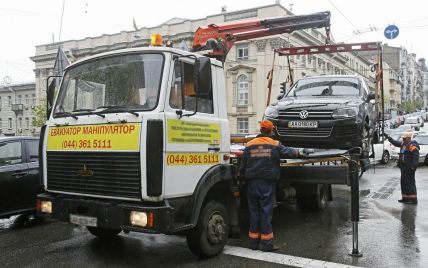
(391, 235)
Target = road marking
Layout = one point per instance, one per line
(280, 258)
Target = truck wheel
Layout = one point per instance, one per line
(314, 199)
(426, 160)
(103, 233)
(211, 232)
(366, 143)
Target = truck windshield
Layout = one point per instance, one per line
(127, 81)
(326, 87)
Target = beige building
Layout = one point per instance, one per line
(16, 110)
(392, 88)
(246, 66)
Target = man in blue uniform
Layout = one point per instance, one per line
(408, 161)
(260, 166)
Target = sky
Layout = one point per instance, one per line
(24, 24)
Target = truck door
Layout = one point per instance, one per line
(12, 170)
(192, 139)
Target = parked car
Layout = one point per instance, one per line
(19, 175)
(329, 112)
(414, 121)
(422, 139)
(382, 152)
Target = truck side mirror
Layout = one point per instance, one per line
(371, 96)
(51, 92)
(280, 96)
(203, 69)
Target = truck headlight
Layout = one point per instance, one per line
(46, 207)
(345, 112)
(138, 218)
(271, 112)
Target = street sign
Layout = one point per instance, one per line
(391, 31)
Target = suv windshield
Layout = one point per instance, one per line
(127, 81)
(326, 86)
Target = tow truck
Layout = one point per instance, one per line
(137, 140)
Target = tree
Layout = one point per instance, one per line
(409, 106)
(39, 113)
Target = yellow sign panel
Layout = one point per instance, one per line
(182, 159)
(194, 132)
(104, 137)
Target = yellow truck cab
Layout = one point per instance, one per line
(138, 140)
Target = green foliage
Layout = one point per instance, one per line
(409, 106)
(39, 113)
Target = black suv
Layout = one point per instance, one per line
(19, 175)
(326, 112)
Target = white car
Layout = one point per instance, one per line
(382, 152)
(422, 139)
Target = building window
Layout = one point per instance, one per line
(242, 52)
(20, 122)
(9, 101)
(9, 123)
(27, 123)
(242, 124)
(243, 88)
(19, 99)
(33, 96)
(27, 99)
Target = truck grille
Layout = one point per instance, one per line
(110, 174)
(296, 132)
(319, 115)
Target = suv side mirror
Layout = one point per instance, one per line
(203, 75)
(371, 96)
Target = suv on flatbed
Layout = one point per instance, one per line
(19, 175)
(326, 112)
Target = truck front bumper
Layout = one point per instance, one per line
(110, 214)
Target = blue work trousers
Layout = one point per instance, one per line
(260, 202)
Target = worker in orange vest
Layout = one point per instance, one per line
(260, 167)
(408, 162)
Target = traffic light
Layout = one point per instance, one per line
(283, 87)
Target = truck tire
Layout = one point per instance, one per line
(314, 198)
(103, 233)
(210, 235)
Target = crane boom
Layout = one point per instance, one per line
(221, 38)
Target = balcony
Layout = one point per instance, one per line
(17, 107)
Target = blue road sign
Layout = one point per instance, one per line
(391, 32)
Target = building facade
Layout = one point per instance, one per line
(16, 110)
(246, 66)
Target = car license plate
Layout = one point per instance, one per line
(303, 124)
(83, 220)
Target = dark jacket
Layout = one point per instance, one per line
(409, 153)
(261, 158)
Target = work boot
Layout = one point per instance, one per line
(410, 201)
(271, 249)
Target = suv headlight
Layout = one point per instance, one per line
(271, 112)
(345, 112)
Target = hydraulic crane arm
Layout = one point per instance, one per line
(220, 39)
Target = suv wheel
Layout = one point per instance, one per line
(365, 143)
